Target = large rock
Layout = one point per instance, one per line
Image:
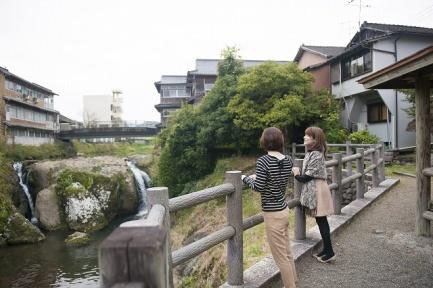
(45, 173)
(21, 231)
(84, 212)
(48, 209)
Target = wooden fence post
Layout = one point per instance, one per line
(375, 172)
(382, 164)
(134, 255)
(234, 218)
(159, 195)
(348, 153)
(423, 154)
(336, 178)
(300, 221)
(360, 182)
(294, 151)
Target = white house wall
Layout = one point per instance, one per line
(406, 45)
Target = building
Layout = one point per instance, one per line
(27, 115)
(173, 94)
(201, 80)
(176, 90)
(380, 111)
(102, 110)
(314, 59)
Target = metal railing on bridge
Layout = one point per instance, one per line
(108, 129)
(139, 252)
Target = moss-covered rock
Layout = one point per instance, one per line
(19, 230)
(77, 239)
(6, 192)
(83, 210)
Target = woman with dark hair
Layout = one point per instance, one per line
(316, 196)
(272, 174)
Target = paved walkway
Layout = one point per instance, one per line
(378, 249)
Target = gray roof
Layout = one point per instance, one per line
(25, 82)
(397, 28)
(325, 51)
(371, 32)
(210, 66)
(173, 79)
(170, 79)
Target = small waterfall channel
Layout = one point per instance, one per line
(142, 182)
(18, 166)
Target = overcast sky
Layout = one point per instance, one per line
(80, 47)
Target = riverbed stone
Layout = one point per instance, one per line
(48, 209)
(21, 231)
(77, 239)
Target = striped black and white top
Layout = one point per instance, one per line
(271, 180)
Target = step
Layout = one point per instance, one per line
(428, 215)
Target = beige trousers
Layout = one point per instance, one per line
(277, 233)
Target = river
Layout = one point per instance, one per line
(51, 263)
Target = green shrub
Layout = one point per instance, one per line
(363, 137)
(19, 152)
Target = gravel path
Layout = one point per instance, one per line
(378, 249)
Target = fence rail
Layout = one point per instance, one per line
(153, 254)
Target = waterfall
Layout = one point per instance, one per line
(18, 166)
(142, 182)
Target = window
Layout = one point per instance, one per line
(174, 93)
(377, 112)
(356, 65)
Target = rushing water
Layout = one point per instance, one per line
(51, 263)
(18, 166)
(142, 182)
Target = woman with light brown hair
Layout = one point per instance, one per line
(316, 196)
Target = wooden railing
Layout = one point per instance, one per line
(139, 252)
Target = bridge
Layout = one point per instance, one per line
(106, 130)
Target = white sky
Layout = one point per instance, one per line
(79, 47)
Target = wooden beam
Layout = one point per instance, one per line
(422, 104)
(399, 72)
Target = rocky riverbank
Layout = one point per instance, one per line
(79, 194)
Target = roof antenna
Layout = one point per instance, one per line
(360, 9)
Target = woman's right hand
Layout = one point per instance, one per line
(296, 171)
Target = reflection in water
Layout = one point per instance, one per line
(51, 263)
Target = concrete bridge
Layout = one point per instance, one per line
(106, 130)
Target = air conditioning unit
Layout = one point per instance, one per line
(361, 126)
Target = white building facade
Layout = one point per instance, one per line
(102, 109)
(381, 112)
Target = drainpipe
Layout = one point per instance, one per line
(395, 97)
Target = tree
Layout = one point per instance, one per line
(271, 95)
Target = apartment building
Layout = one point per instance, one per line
(176, 90)
(173, 94)
(102, 110)
(27, 114)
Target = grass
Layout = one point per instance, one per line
(406, 168)
(121, 149)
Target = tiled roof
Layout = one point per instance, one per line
(210, 66)
(31, 84)
(397, 28)
(325, 51)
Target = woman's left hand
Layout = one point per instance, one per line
(296, 171)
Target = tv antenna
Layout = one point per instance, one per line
(360, 5)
